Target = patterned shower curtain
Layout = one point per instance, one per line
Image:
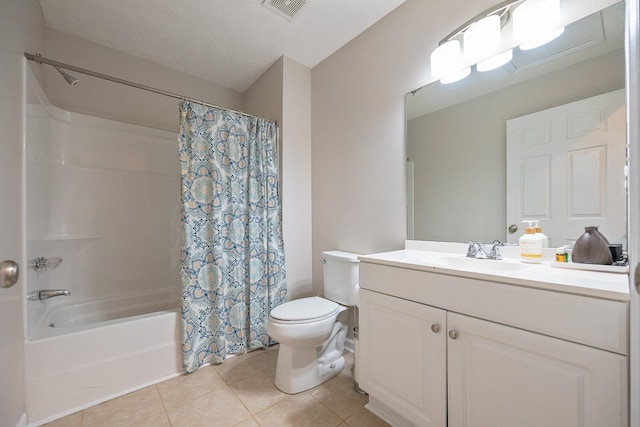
(232, 260)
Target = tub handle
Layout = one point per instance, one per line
(43, 294)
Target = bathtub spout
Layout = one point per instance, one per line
(47, 293)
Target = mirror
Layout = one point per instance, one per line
(456, 134)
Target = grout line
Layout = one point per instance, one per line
(240, 400)
(164, 406)
(330, 410)
(252, 416)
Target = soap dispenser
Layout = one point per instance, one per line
(544, 239)
(530, 245)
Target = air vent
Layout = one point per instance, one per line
(285, 8)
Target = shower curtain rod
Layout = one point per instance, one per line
(41, 60)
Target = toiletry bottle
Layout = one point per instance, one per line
(561, 254)
(530, 246)
(544, 239)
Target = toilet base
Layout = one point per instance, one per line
(301, 368)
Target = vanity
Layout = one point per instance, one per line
(447, 340)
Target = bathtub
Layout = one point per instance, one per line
(103, 196)
(71, 317)
(92, 351)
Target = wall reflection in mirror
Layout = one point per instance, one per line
(457, 143)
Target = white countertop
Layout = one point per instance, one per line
(450, 259)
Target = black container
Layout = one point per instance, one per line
(591, 248)
(616, 251)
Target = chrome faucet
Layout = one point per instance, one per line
(47, 293)
(495, 251)
(476, 250)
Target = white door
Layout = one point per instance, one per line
(502, 377)
(633, 95)
(565, 167)
(403, 366)
(11, 331)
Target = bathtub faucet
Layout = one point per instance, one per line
(47, 293)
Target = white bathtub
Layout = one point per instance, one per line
(65, 318)
(93, 354)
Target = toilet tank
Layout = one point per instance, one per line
(340, 276)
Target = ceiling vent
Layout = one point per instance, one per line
(285, 8)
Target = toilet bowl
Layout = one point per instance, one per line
(312, 331)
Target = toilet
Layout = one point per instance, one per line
(312, 331)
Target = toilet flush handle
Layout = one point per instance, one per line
(323, 261)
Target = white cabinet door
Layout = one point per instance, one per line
(503, 377)
(403, 360)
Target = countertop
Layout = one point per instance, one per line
(450, 259)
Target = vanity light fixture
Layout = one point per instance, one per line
(479, 41)
(482, 38)
(535, 22)
(447, 62)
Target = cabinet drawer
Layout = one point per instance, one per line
(591, 321)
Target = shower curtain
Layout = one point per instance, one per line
(232, 259)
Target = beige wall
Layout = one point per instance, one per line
(296, 167)
(21, 28)
(110, 100)
(264, 97)
(283, 93)
(358, 154)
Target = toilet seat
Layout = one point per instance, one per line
(304, 310)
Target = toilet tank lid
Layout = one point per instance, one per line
(305, 309)
(340, 255)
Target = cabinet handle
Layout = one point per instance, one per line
(453, 334)
(435, 328)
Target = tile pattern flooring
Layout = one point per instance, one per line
(239, 392)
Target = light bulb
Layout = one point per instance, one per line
(536, 22)
(446, 59)
(495, 61)
(482, 39)
(456, 76)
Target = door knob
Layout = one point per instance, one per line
(512, 228)
(9, 273)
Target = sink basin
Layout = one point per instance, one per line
(462, 263)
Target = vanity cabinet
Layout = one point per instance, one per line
(433, 354)
(403, 357)
(504, 376)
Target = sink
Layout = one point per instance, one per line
(462, 263)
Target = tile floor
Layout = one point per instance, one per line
(239, 392)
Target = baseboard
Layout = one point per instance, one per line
(349, 345)
(23, 420)
(385, 413)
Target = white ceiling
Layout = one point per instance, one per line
(229, 42)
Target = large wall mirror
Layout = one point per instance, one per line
(457, 167)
